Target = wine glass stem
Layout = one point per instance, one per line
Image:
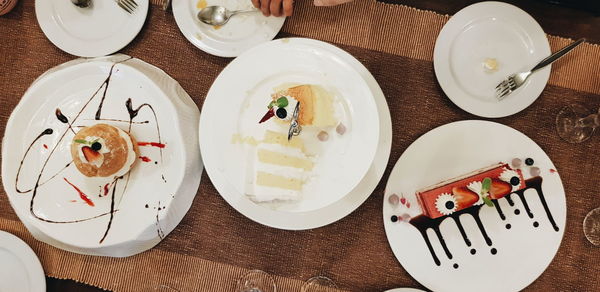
(591, 121)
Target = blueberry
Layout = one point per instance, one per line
(449, 205)
(96, 146)
(529, 161)
(515, 181)
(281, 113)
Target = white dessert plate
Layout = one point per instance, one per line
(99, 216)
(404, 290)
(21, 269)
(99, 30)
(353, 164)
(518, 248)
(242, 32)
(490, 30)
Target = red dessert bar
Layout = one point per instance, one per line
(464, 191)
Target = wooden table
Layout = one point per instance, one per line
(555, 20)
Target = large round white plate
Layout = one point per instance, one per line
(493, 30)
(404, 290)
(130, 215)
(99, 30)
(20, 269)
(523, 251)
(249, 80)
(242, 32)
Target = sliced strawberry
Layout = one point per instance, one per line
(90, 155)
(464, 197)
(499, 189)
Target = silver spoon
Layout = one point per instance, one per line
(218, 15)
(82, 3)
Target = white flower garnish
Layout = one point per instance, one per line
(446, 204)
(475, 186)
(507, 175)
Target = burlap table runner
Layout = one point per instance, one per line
(214, 244)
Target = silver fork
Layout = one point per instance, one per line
(514, 81)
(127, 5)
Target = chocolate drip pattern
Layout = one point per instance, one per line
(423, 223)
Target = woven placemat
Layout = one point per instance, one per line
(214, 244)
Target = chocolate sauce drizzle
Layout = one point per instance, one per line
(423, 223)
(63, 119)
(134, 112)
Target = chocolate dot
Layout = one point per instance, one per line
(508, 226)
(449, 205)
(515, 181)
(473, 251)
(517, 212)
(529, 161)
(536, 224)
(394, 218)
(494, 251)
(146, 205)
(455, 266)
(155, 162)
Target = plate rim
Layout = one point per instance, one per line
(29, 259)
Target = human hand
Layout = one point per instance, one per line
(275, 7)
(330, 2)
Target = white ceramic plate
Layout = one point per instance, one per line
(497, 31)
(522, 250)
(404, 290)
(95, 31)
(20, 269)
(128, 216)
(303, 61)
(239, 34)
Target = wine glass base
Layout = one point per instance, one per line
(256, 281)
(591, 226)
(566, 122)
(318, 284)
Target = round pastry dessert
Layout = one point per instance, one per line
(103, 150)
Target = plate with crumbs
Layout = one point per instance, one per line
(242, 32)
(479, 47)
(293, 183)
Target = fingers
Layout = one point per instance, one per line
(264, 7)
(288, 7)
(256, 3)
(276, 7)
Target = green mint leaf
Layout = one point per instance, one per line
(81, 141)
(282, 101)
(486, 185)
(487, 201)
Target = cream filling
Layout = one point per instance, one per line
(131, 156)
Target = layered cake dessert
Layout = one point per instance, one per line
(475, 188)
(103, 151)
(316, 106)
(281, 168)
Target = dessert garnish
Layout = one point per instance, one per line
(323, 136)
